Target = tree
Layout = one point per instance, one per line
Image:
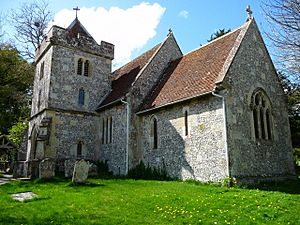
(218, 34)
(292, 91)
(30, 23)
(284, 19)
(16, 77)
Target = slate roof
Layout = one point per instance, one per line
(124, 77)
(194, 74)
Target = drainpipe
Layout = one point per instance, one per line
(127, 135)
(225, 130)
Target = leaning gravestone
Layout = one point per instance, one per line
(81, 171)
(46, 168)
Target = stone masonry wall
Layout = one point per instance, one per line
(70, 129)
(114, 152)
(201, 154)
(65, 83)
(252, 69)
(41, 85)
(144, 84)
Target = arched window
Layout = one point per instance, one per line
(79, 149)
(81, 97)
(79, 66)
(154, 136)
(86, 68)
(261, 112)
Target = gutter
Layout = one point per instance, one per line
(127, 135)
(225, 130)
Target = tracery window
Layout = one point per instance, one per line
(261, 111)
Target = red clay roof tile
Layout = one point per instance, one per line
(194, 74)
(123, 77)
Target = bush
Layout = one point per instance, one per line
(102, 168)
(148, 173)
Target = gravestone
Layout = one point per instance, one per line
(81, 171)
(47, 168)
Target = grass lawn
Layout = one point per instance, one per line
(111, 201)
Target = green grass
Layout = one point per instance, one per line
(124, 201)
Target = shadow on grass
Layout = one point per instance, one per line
(87, 184)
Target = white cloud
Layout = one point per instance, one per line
(128, 29)
(184, 14)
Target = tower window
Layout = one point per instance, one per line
(261, 111)
(39, 99)
(81, 97)
(79, 66)
(86, 68)
(79, 149)
(42, 68)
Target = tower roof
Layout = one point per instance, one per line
(76, 28)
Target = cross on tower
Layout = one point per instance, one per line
(76, 9)
(249, 12)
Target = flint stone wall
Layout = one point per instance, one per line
(65, 83)
(201, 154)
(252, 69)
(145, 83)
(115, 152)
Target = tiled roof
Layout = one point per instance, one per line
(124, 77)
(193, 74)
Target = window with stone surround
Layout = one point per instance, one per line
(79, 149)
(107, 128)
(79, 66)
(86, 68)
(39, 100)
(186, 123)
(83, 67)
(262, 116)
(42, 68)
(81, 97)
(153, 133)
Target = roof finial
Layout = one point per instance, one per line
(249, 12)
(170, 30)
(76, 9)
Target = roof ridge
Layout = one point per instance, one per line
(152, 57)
(219, 38)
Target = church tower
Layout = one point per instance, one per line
(72, 77)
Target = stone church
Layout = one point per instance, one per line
(218, 111)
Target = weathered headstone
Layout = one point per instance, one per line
(47, 168)
(81, 171)
(69, 167)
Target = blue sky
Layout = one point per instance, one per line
(192, 21)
